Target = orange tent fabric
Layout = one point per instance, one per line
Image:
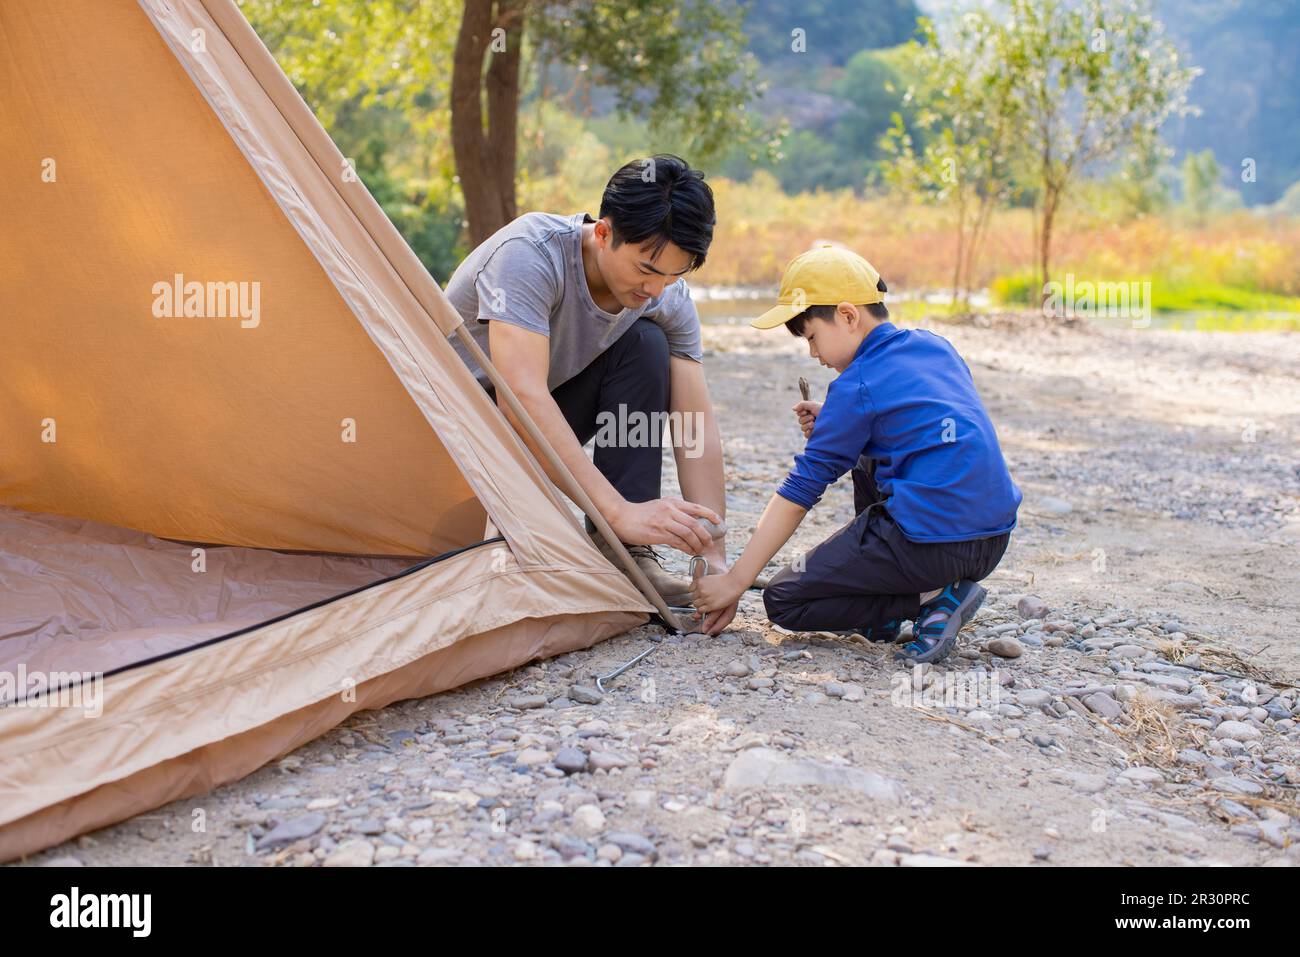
(219, 355)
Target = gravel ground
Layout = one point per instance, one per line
(1123, 697)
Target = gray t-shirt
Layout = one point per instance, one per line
(529, 273)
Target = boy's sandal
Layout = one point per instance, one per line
(934, 640)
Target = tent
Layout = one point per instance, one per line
(247, 487)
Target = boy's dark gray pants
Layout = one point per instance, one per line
(868, 573)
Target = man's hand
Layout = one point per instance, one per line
(665, 521)
(807, 412)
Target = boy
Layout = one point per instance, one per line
(935, 503)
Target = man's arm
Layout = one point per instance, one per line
(523, 359)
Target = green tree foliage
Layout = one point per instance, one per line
(1088, 83)
(368, 71)
(967, 134)
(1201, 174)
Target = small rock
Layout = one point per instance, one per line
(570, 760)
(353, 853)
(528, 702)
(585, 694)
(1237, 730)
(294, 829)
(607, 760)
(631, 843)
(1030, 607)
(1033, 698)
(589, 819)
(1141, 775)
(1005, 647)
(1104, 705)
(531, 757)
(737, 669)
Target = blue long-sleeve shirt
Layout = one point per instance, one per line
(908, 401)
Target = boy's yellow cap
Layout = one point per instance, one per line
(825, 275)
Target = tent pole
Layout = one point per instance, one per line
(571, 486)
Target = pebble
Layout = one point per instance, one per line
(1033, 698)
(1030, 607)
(528, 702)
(1237, 730)
(607, 760)
(1104, 705)
(531, 757)
(589, 819)
(1006, 647)
(355, 853)
(294, 829)
(1142, 775)
(632, 843)
(765, 768)
(570, 760)
(585, 694)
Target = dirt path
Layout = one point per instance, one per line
(1160, 525)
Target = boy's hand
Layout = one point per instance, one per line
(716, 622)
(807, 412)
(714, 593)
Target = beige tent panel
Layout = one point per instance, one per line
(229, 688)
(203, 769)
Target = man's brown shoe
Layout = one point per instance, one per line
(674, 591)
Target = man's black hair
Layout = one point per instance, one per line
(661, 200)
(876, 310)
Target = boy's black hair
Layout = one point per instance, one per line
(876, 310)
(661, 200)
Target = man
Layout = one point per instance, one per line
(590, 324)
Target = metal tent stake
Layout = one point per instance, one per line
(699, 567)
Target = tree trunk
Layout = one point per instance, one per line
(961, 242)
(485, 158)
(1045, 242)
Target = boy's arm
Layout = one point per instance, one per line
(719, 593)
(777, 524)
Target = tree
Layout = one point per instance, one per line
(679, 63)
(1200, 184)
(1087, 82)
(968, 130)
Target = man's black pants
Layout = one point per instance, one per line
(628, 382)
(868, 573)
